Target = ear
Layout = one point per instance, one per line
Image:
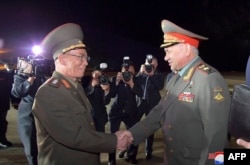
(187, 49)
(62, 59)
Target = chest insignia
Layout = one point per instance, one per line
(186, 96)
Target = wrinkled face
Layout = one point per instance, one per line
(175, 56)
(75, 62)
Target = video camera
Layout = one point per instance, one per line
(148, 64)
(126, 74)
(40, 66)
(103, 78)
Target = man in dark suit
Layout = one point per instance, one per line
(194, 112)
(5, 100)
(66, 132)
(124, 107)
(151, 81)
(99, 95)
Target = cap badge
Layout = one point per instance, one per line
(73, 47)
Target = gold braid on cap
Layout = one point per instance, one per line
(171, 38)
(73, 47)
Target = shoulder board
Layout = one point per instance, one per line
(205, 68)
(54, 82)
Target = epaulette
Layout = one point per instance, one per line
(54, 82)
(205, 68)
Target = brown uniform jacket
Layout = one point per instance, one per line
(65, 129)
(193, 116)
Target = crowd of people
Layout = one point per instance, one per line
(62, 118)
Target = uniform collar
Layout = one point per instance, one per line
(185, 68)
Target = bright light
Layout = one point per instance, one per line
(36, 50)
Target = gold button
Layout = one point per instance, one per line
(170, 138)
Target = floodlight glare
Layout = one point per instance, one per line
(36, 50)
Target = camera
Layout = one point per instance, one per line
(103, 78)
(126, 74)
(148, 64)
(41, 67)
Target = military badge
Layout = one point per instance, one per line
(218, 94)
(186, 96)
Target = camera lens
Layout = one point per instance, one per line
(104, 80)
(149, 68)
(126, 76)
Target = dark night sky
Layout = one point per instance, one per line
(115, 28)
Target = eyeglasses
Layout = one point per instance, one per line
(82, 57)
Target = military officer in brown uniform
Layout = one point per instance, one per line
(193, 114)
(65, 130)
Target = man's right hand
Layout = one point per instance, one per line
(95, 82)
(31, 79)
(124, 139)
(142, 69)
(118, 78)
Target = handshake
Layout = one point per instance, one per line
(124, 139)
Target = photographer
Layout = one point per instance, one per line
(24, 87)
(124, 108)
(98, 93)
(151, 82)
(6, 100)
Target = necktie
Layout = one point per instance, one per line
(145, 89)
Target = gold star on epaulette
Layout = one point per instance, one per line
(204, 68)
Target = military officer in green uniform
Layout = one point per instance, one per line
(65, 130)
(193, 114)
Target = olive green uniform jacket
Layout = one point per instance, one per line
(193, 116)
(65, 129)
